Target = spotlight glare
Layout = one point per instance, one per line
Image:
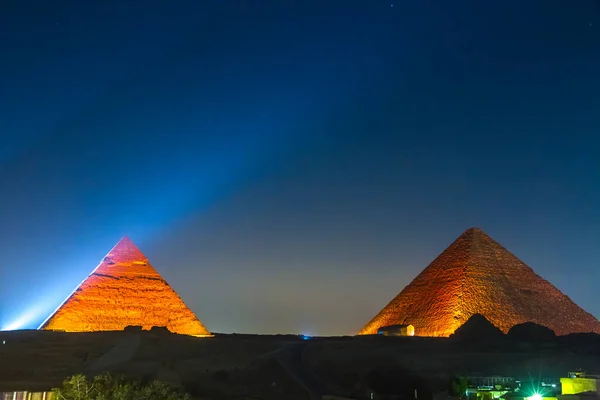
(22, 321)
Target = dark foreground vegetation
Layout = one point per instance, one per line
(109, 387)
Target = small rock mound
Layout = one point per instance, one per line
(133, 328)
(531, 332)
(590, 340)
(477, 329)
(160, 330)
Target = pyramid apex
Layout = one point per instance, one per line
(476, 234)
(474, 229)
(125, 251)
(125, 240)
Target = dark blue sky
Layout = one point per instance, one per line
(289, 166)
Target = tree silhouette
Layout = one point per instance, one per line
(458, 386)
(108, 387)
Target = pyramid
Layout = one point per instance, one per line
(124, 290)
(476, 275)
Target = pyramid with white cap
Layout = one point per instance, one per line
(124, 290)
(476, 275)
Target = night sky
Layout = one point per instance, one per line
(289, 166)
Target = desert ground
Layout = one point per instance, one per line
(281, 366)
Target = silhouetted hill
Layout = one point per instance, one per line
(478, 329)
(531, 332)
(581, 343)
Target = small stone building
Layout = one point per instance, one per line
(26, 395)
(397, 330)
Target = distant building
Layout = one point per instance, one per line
(488, 387)
(397, 330)
(578, 383)
(579, 396)
(25, 395)
(490, 381)
(484, 393)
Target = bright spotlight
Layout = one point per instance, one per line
(22, 321)
(536, 396)
(16, 324)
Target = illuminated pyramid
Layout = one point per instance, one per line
(124, 290)
(476, 275)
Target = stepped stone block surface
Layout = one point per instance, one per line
(476, 275)
(124, 290)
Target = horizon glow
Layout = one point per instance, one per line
(24, 320)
